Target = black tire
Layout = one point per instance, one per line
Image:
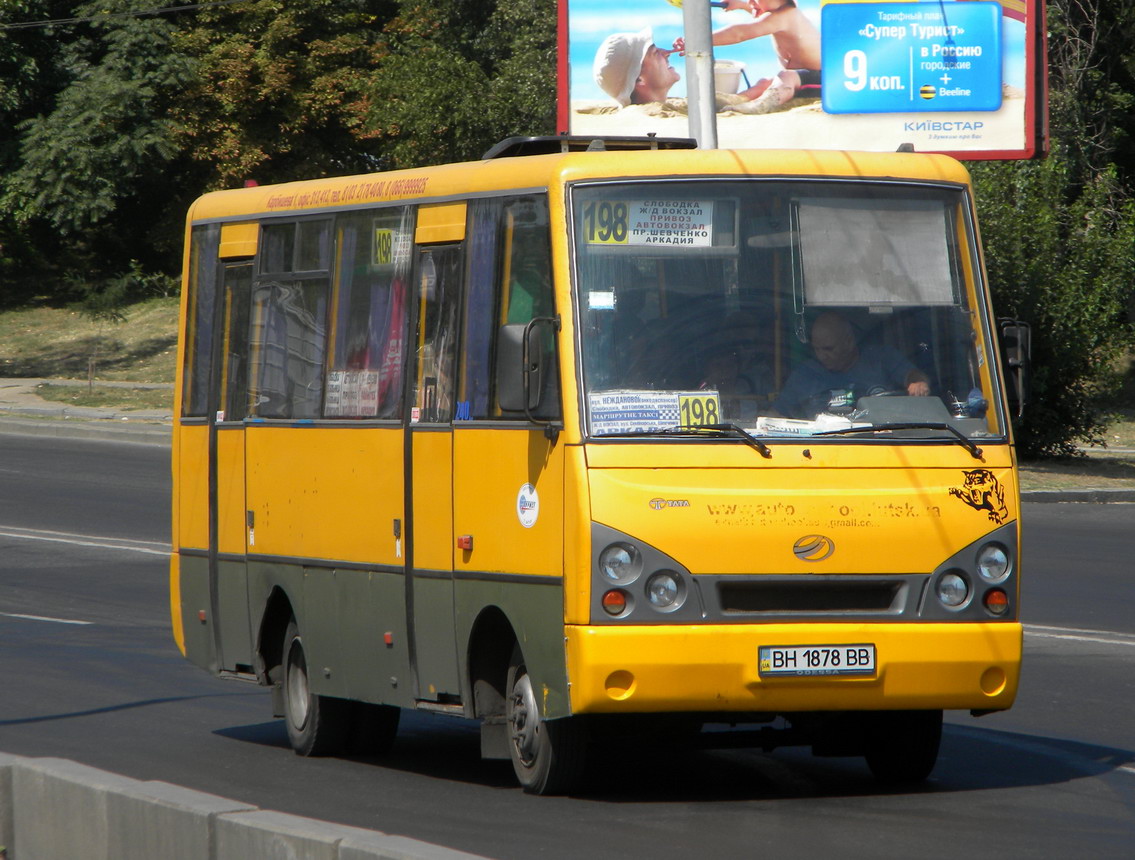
(902, 746)
(548, 757)
(317, 725)
(373, 728)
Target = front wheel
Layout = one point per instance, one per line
(902, 746)
(548, 757)
(317, 725)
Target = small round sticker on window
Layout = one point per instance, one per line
(527, 506)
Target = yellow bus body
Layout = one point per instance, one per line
(320, 516)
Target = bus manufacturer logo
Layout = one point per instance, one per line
(660, 504)
(813, 548)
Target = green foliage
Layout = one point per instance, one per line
(280, 90)
(1059, 234)
(1060, 257)
(455, 80)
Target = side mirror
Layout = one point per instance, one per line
(1016, 356)
(520, 370)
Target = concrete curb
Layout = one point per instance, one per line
(55, 809)
(1089, 496)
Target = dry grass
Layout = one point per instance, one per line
(111, 398)
(59, 343)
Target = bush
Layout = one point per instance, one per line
(1059, 256)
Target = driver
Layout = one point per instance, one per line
(842, 371)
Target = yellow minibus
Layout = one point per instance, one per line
(597, 439)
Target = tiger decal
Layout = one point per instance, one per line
(983, 492)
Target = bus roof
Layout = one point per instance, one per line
(537, 172)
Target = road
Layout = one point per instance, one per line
(88, 671)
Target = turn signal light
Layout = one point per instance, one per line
(996, 601)
(615, 601)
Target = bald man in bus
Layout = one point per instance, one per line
(841, 371)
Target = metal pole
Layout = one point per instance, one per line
(699, 73)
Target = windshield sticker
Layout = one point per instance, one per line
(983, 492)
(663, 223)
(601, 300)
(643, 411)
(823, 422)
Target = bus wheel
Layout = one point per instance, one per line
(547, 756)
(316, 724)
(902, 746)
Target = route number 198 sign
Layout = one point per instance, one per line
(911, 57)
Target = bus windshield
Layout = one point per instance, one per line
(787, 308)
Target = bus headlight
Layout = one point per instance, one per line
(993, 563)
(953, 590)
(665, 591)
(620, 563)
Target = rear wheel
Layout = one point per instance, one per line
(317, 725)
(902, 746)
(548, 757)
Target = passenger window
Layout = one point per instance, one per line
(438, 294)
(200, 320)
(288, 332)
(364, 378)
(510, 281)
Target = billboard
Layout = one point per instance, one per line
(963, 77)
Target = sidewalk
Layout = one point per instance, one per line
(24, 412)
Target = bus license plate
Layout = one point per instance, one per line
(816, 660)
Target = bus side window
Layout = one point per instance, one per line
(509, 282)
(369, 313)
(439, 291)
(200, 314)
(289, 321)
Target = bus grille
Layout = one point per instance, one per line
(809, 596)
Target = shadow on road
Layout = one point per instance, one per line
(971, 759)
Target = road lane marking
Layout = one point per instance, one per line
(1077, 634)
(97, 541)
(46, 618)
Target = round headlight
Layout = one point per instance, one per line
(620, 563)
(953, 590)
(993, 562)
(665, 591)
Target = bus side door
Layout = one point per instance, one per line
(429, 560)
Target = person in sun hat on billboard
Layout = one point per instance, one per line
(631, 69)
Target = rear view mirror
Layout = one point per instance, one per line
(519, 367)
(1016, 353)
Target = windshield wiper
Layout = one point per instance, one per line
(959, 436)
(701, 430)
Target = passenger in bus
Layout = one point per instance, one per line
(842, 371)
(631, 69)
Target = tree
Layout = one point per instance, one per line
(89, 164)
(280, 90)
(1059, 234)
(456, 78)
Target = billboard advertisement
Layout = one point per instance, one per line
(963, 77)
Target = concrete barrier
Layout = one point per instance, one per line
(54, 809)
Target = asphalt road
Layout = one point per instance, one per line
(88, 671)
